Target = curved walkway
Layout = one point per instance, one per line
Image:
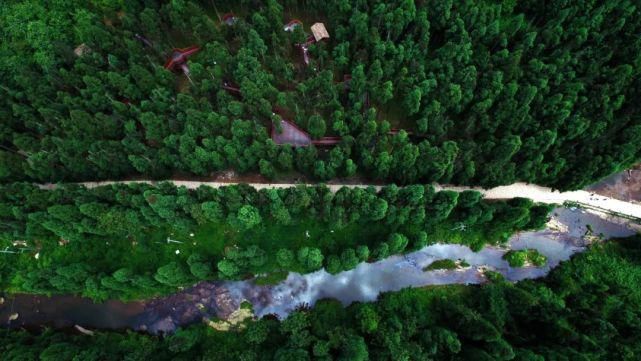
(534, 192)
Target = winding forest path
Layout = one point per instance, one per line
(534, 192)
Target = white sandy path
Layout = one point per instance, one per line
(547, 195)
(534, 192)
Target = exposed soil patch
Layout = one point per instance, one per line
(625, 186)
(232, 177)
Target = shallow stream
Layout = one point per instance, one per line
(564, 236)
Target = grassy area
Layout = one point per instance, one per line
(213, 239)
(474, 237)
(146, 251)
(158, 260)
(446, 264)
(441, 264)
(525, 257)
(271, 278)
(393, 112)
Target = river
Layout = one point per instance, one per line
(564, 236)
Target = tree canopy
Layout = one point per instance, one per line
(486, 93)
(587, 309)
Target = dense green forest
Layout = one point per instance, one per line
(488, 92)
(587, 309)
(137, 240)
(414, 92)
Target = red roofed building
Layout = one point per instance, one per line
(319, 33)
(178, 59)
(229, 19)
(291, 134)
(290, 26)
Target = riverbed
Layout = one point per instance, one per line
(566, 233)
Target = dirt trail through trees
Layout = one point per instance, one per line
(534, 192)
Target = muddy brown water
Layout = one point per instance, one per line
(158, 315)
(67, 311)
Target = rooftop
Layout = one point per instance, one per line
(320, 32)
(81, 50)
(290, 26)
(291, 134)
(229, 19)
(179, 57)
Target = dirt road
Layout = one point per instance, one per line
(534, 192)
(625, 185)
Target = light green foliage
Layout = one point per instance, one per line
(497, 320)
(521, 257)
(311, 258)
(284, 257)
(172, 274)
(441, 264)
(247, 217)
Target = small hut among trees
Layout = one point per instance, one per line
(178, 59)
(319, 32)
(81, 50)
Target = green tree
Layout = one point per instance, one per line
(397, 243)
(362, 252)
(212, 211)
(172, 274)
(349, 259)
(285, 258)
(317, 126)
(228, 268)
(246, 218)
(311, 258)
(368, 318)
(199, 267)
(354, 348)
(267, 169)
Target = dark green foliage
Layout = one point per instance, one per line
(247, 217)
(521, 257)
(444, 264)
(587, 309)
(136, 240)
(491, 92)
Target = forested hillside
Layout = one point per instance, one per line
(588, 309)
(134, 241)
(487, 92)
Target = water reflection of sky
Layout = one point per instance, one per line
(563, 237)
(366, 281)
